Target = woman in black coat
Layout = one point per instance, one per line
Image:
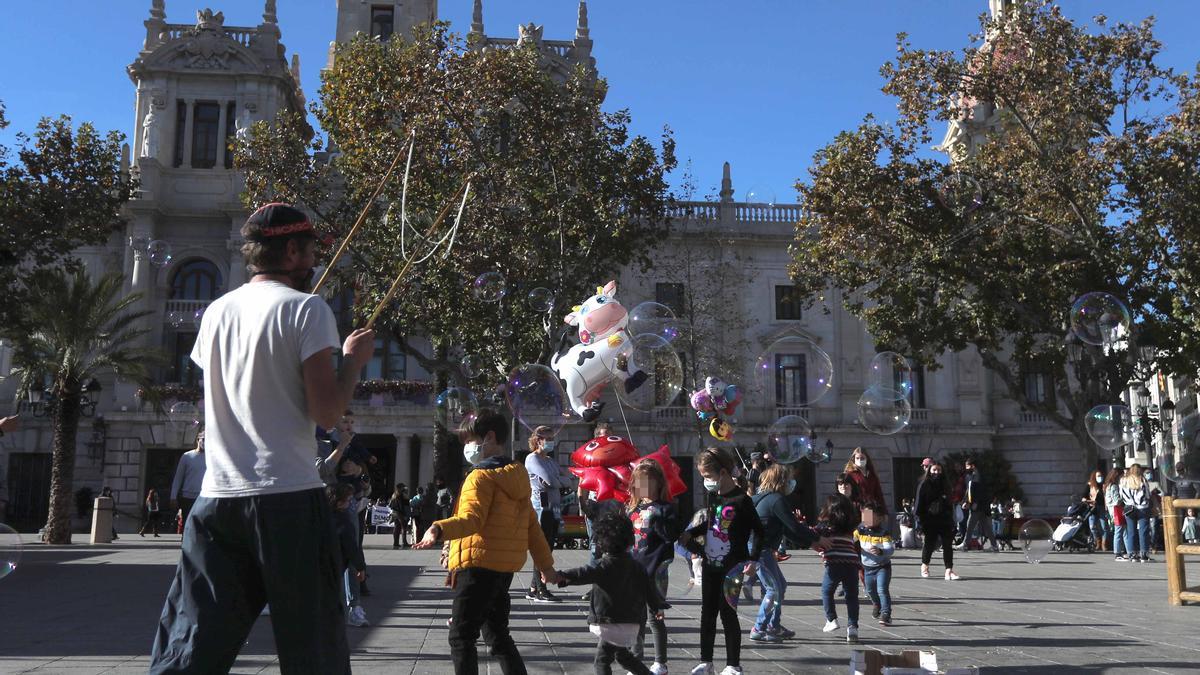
(935, 520)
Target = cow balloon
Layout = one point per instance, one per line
(602, 353)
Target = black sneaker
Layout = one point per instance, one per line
(874, 611)
(885, 620)
(1147, 558)
(531, 594)
(545, 595)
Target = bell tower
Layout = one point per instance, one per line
(381, 18)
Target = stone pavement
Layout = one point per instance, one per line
(92, 609)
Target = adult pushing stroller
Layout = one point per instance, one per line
(1072, 533)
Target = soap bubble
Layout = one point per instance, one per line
(454, 405)
(891, 371)
(960, 193)
(139, 244)
(793, 371)
(540, 299)
(652, 318)
(1036, 540)
(761, 195)
(469, 365)
(884, 411)
(489, 287)
(733, 586)
(10, 550)
(789, 440)
(184, 414)
(1181, 461)
(175, 319)
(1110, 426)
(536, 397)
(504, 329)
(1099, 318)
(647, 374)
(662, 577)
(158, 252)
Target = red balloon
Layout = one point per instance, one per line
(604, 466)
(675, 484)
(604, 451)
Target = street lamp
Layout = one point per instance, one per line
(1143, 397)
(1074, 349)
(1167, 413)
(1146, 353)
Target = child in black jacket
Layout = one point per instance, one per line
(621, 591)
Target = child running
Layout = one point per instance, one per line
(621, 591)
(655, 529)
(839, 518)
(875, 541)
(725, 527)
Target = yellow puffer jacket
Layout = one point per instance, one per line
(494, 525)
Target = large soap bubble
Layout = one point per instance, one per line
(536, 397)
(1099, 318)
(892, 371)
(540, 299)
(184, 414)
(455, 405)
(1181, 461)
(158, 252)
(793, 371)
(960, 193)
(652, 318)
(884, 411)
(489, 287)
(10, 550)
(1110, 426)
(1036, 540)
(789, 440)
(647, 374)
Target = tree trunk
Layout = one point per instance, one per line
(62, 472)
(441, 435)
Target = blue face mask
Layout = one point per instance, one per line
(791, 486)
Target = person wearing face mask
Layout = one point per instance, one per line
(861, 471)
(267, 351)
(492, 532)
(546, 480)
(770, 503)
(1097, 522)
(975, 500)
(1135, 498)
(934, 520)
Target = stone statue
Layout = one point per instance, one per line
(149, 134)
(243, 125)
(529, 33)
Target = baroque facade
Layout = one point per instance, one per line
(197, 85)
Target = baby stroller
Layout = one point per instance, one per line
(1072, 533)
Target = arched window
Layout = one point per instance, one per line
(196, 279)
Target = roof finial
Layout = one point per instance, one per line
(269, 12)
(726, 184)
(581, 28)
(477, 19)
(158, 9)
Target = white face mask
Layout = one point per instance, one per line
(711, 485)
(472, 452)
(861, 462)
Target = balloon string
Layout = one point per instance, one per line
(628, 433)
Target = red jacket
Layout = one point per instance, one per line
(869, 489)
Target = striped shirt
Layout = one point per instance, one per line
(843, 552)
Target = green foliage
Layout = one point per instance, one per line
(1091, 178)
(563, 197)
(63, 189)
(996, 470)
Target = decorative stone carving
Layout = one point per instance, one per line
(208, 48)
(243, 124)
(529, 33)
(149, 134)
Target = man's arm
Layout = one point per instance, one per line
(327, 391)
(176, 484)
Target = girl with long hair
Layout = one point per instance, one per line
(655, 529)
(1098, 520)
(861, 470)
(1112, 506)
(934, 519)
(1135, 497)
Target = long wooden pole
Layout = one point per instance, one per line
(408, 264)
(362, 216)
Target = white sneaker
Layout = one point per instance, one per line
(358, 617)
(732, 670)
(831, 626)
(704, 669)
(852, 635)
(951, 576)
(658, 668)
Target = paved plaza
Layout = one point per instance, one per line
(92, 609)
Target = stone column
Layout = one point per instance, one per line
(237, 264)
(221, 150)
(187, 133)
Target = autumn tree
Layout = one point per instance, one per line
(1090, 181)
(562, 195)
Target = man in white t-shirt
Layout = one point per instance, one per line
(261, 532)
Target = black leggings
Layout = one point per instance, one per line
(658, 628)
(712, 601)
(946, 535)
(400, 529)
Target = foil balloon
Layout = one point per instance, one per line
(670, 469)
(604, 465)
(586, 367)
(715, 403)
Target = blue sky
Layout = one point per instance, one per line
(759, 83)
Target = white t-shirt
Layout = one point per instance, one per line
(258, 435)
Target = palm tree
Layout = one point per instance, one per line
(75, 330)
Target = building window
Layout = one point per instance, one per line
(916, 397)
(670, 295)
(787, 303)
(183, 369)
(180, 130)
(196, 280)
(791, 389)
(230, 132)
(206, 120)
(388, 363)
(382, 22)
(1039, 388)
